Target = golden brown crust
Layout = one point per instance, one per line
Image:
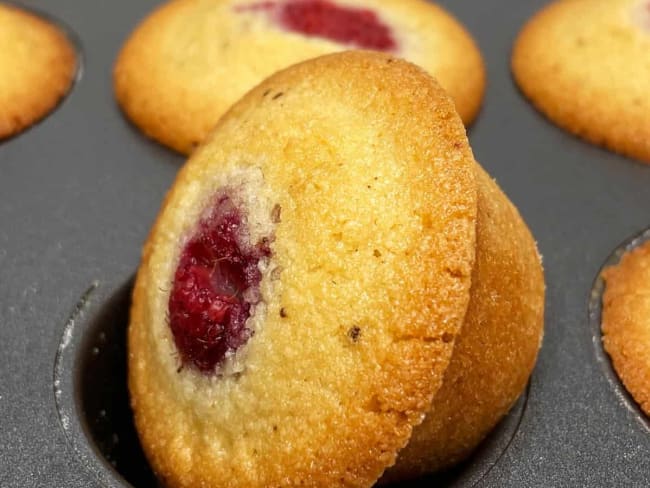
(375, 185)
(37, 66)
(626, 321)
(497, 348)
(189, 60)
(581, 63)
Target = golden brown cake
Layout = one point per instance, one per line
(626, 322)
(37, 67)
(304, 285)
(188, 61)
(581, 62)
(356, 210)
(498, 344)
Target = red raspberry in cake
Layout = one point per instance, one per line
(359, 27)
(215, 286)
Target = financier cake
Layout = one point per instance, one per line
(328, 266)
(626, 322)
(497, 347)
(37, 67)
(189, 60)
(582, 63)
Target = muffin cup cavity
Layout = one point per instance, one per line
(595, 322)
(91, 394)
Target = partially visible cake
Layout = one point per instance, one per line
(497, 348)
(626, 321)
(37, 68)
(188, 61)
(582, 64)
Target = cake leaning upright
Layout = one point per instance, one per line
(301, 290)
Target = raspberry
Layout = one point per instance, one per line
(322, 18)
(214, 285)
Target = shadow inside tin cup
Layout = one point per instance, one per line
(98, 420)
(595, 323)
(102, 392)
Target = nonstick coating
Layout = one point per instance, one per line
(79, 191)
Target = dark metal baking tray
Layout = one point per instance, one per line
(79, 191)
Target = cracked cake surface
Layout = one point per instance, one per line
(498, 344)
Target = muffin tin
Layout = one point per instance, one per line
(79, 192)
